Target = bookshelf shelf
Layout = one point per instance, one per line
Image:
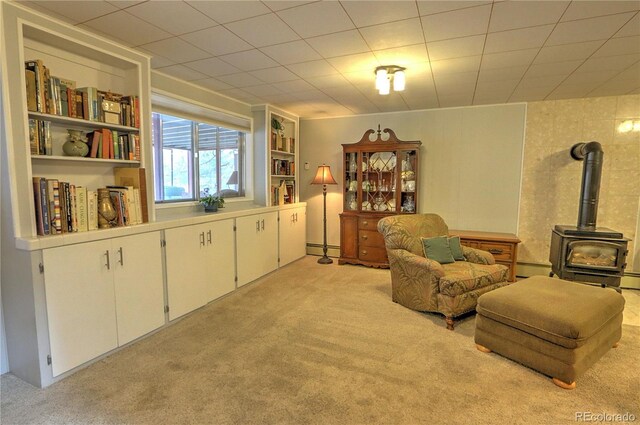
(81, 159)
(276, 152)
(77, 122)
(282, 176)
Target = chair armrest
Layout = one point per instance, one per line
(478, 256)
(412, 260)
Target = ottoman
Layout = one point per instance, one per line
(556, 327)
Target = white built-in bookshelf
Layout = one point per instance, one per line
(73, 55)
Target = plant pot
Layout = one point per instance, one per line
(210, 208)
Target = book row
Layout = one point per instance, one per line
(62, 207)
(111, 144)
(59, 96)
(283, 144)
(283, 167)
(284, 193)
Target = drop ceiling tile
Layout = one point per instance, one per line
(339, 44)
(418, 103)
(78, 12)
(393, 34)
(609, 63)
(176, 49)
(631, 73)
(521, 94)
(213, 67)
(314, 95)
(350, 63)
(175, 17)
(456, 48)
(590, 9)
(429, 7)
(549, 82)
(600, 28)
(229, 11)
(124, 26)
(403, 56)
(503, 87)
(243, 79)
(123, 4)
(459, 23)
(242, 95)
(490, 98)
(630, 28)
(618, 88)
(592, 79)
(283, 98)
(570, 91)
(362, 78)
(364, 13)
(557, 68)
(325, 81)
(461, 82)
(213, 84)
(182, 72)
(294, 86)
(217, 41)
(519, 39)
(313, 68)
(509, 59)
(510, 15)
(317, 18)
(249, 60)
(292, 52)
(276, 5)
(263, 30)
(455, 100)
(262, 90)
(157, 61)
(274, 75)
(453, 66)
(619, 46)
(573, 51)
(496, 75)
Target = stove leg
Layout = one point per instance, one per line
(550, 274)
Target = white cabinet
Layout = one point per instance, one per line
(101, 295)
(256, 246)
(293, 243)
(200, 265)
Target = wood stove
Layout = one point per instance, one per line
(585, 252)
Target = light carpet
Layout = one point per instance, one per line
(316, 344)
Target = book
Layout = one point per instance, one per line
(34, 137)
(95, 140)
(136, 178)
(107, 143)
(116, 146)
(32, 102)
(37, 67)
(74, 207)
(81, 205)
(53, 191)
(62, 196)
(137, 205)
(92, 210)
(48, 147)
(40, 203)
(116, 199)
(123, 199)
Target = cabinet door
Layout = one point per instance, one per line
(81, 306)
(138, 285)
(256, 246)
(220, 263)
(186, 266)
(293, 243)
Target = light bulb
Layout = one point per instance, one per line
(398, 81)
(381, 77)
(385, 87)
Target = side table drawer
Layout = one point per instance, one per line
(500, 251)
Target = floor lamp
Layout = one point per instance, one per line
(324, 177)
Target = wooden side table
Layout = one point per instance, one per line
(503, 246)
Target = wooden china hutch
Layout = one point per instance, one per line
(380, 179)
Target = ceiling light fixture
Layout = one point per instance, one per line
(385, 74)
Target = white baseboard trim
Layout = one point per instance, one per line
(316, 249)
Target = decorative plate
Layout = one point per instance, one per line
(383, 161)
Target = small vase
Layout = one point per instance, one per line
(211, 208)
(76, 145)
(106, 212)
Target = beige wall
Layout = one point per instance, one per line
(470, 164)
(551, 178)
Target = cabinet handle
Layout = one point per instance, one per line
(364, 252)
(365, 223)
(202, 239)
(209, 236)
(296, 217)
(263, 224)
(495, 251)
(106, 253)
(121, 256)
(365, 237)
(257, 225)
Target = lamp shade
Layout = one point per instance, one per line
(233, 179)
(323, 176)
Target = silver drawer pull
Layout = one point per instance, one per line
(121, 257)
(495, 251)
(108, 260)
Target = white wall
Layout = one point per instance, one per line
(4, 360)
(471, 163)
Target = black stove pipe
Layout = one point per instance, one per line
(592, 155)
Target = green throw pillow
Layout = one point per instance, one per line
(437, 249)
(456, 248)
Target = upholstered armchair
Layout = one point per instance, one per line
(426, 285)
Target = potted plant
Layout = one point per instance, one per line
(211, 202)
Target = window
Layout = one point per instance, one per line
(193, 158)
